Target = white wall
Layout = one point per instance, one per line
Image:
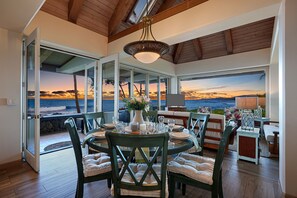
(72, 37)
(288, 96)
(273, 92)
(10, 87)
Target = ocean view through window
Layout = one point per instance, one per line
(219, 92)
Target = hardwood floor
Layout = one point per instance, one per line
(57, 178)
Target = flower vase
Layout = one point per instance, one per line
(138, 117)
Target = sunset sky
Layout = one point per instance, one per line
(60, 86)
(225, 87)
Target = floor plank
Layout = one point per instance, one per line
(58, 176)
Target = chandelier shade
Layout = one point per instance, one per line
(147, 49)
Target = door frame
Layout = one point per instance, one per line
(32, 159)
(115, 58)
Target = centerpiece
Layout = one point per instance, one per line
(138, 104)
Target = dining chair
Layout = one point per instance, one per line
(90, 168)
(152, 116)
(93, 121)
(199, 171)
(198, 121)
(147, 179)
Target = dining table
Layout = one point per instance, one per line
(175, 146)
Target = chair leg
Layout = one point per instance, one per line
(79, 190)
(214, 193)
(109, 183)
(221, 195)
(184, 187)
(171, 186)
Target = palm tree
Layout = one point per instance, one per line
(76, 94)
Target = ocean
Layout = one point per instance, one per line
(67, 106)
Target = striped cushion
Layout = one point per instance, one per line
(193, 166)
(138, 170)
(95, 164)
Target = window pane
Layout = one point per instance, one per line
(139, 84)
(90, 91)
(153, 94)
(124, 87)
(220, 92)
(108, 87)
(164, 91)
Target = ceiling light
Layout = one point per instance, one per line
(147, 49)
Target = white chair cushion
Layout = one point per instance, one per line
(268, 131)
(95, 164)
(193, 166)
(138, 170)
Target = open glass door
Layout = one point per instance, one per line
(108, 96)
(32, 113)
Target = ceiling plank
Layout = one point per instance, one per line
(229, 42)
(120, 14)
(177, 52)
(197, 48)
(74, 8)
(159, 17)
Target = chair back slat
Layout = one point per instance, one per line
(158, 144)
(93, 121)
(199, 120)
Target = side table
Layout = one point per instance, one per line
(248, 145)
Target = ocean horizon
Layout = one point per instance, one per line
(67, 106)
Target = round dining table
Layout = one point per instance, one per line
(174, 145)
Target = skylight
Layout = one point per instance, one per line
(139, 10)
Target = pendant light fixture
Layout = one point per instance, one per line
(147, 49)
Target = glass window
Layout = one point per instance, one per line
(124, 86)
(153, 91)
(139, 83)
(58, 94)
(108, 87)
(90, 89)
(219, 92)
(163, 92)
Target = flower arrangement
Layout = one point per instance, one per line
(137, 103)
(232, 114)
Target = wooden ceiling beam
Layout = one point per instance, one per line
(74, 8)
(197, 48)
(159, 17)
(229, 41)
(120, 14)
(177, 53)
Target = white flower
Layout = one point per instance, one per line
(138, 99)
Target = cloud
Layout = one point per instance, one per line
(61, 93)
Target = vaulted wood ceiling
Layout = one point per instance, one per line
(244, 38)
(109, 18)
